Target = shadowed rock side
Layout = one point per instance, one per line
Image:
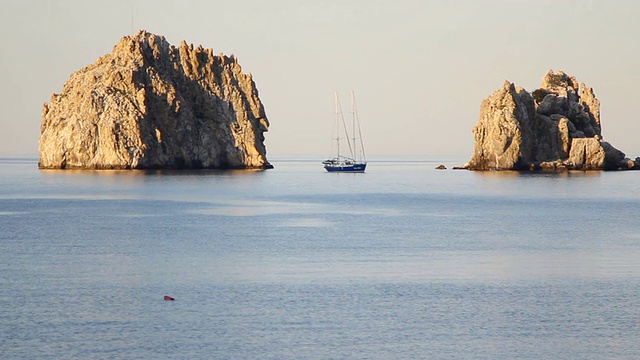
(557, 127)
(150, 105)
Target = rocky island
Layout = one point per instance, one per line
(556, 127)
(151, 105)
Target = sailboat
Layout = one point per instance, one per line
(355, 161)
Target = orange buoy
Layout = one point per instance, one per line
(167, 297)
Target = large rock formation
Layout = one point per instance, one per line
(556, 127)
(149, 105)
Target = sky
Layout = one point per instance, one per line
(419, 69)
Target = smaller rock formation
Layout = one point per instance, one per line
(441, 167)
(556, 127)
(152, 105)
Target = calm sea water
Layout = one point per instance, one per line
(403, 262)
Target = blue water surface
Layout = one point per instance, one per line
(402, 262)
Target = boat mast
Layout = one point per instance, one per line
(353, 123)
(356, 123)
(337, 123)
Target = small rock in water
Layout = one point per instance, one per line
(441, 167)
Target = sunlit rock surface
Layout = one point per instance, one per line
(556, 127)
(151, 105)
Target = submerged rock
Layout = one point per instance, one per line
(150, 104)
(556, 127)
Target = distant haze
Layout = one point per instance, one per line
(419, 69)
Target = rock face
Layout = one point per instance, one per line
(150, 105)
(556, 127)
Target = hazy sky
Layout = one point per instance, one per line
(420, 69)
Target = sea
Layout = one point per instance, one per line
(402, 262)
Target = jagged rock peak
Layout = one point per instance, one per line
(559, 83)
(149, 104)
(556, 127)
